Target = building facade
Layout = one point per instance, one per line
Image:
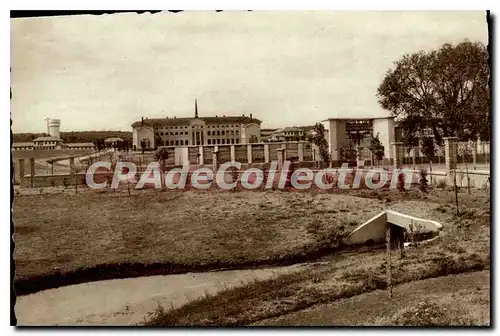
(339, 132)
(175, 132)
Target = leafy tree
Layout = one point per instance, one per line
(429, 150)
(446, 90)
(376, 148)
(319, 139)
(161, 155)
(347, 153)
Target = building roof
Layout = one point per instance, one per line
(113, 139)
(185, 121)
(292, 129)
(47, 138)
(22, 144)
(80, 144)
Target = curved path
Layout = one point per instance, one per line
(129, 301)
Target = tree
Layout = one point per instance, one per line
(446, 90)
(347, 153)
(429, 151)
(161, 155)
(319, 139)
(376, 148)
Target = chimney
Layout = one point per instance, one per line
(216, 115)
(224, 115)
(196, 108)
(250, 116)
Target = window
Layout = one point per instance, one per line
(218, 141)
(209, 141)
(223, 141)
(176, 133)
(177, 142)
(218, 132)
(237, 141)
(232, 141)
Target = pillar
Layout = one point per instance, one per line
(233, 153)
(281, 157)
(32, 171)
(71, 165)
(398, 153)
(450, 152)
(300, 151)
(474, 154)
(249, 153)
(21, 169)
(200, 156)
(215, 160)
(266, 153)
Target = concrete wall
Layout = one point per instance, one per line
(384, 127)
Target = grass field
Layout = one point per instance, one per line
(64, 233)
(453, 300)
(464, 247)
(108, 235)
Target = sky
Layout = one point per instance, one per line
(286, 68)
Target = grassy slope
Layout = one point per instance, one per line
(465, 247)
(60, 233)
(450, 300)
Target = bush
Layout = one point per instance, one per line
(441, 184)
(423, 183)
(427, 313)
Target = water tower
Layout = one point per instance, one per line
(53, 126)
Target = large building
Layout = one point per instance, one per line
(339, 131)
(218, 130)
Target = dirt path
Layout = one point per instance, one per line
(128, 301)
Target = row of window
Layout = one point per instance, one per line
(210, 133)
(209, 141)
(223, 141)
(201, 126)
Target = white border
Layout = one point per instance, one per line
(193, 5)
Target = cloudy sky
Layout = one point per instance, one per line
(286, 68)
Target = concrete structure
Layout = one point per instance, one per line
(339, 131)
(53, 127)
(450, 152)
(196, 131)
(374, 230)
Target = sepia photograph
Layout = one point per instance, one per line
(251, 168)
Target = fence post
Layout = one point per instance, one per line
(389, 266)
(32, 171)
(249, 153)
(300, 150)
(266, 153)
(21, 169)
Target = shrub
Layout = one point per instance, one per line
(423, 183)
(441, 184)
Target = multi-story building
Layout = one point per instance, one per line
(195, 131)
(287, 134)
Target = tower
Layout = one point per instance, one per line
(196, 108)
(53, 126)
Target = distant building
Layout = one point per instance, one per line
(112, 142)
(195, 131)
(265, 133)
(51, 142)
(48, 142)
(293, 133)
